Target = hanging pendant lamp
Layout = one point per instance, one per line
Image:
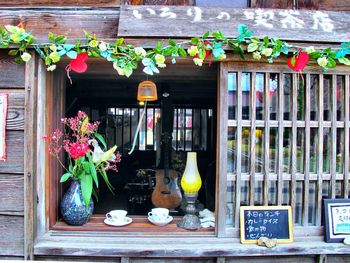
(147, 91)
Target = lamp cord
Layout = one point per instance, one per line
(138, 129)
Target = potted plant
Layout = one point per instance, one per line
(85, 163)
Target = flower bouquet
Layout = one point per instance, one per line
(86, 161)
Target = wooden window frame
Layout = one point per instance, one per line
(41, 240)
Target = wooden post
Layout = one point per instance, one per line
(29, 154)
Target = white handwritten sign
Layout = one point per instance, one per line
(337, 215)
(181, 21)
(3, 114)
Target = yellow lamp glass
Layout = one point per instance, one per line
(147, 91)
(191, 180)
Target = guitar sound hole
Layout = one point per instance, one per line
(166, 192)
(166, 180)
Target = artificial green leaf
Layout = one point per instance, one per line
(206, 35)
(331, 63)
(182, 52)
(194, 40)
(252, 47)
(60, 39)
(171, 42)
(86, 166)
(101, 139)
(86, 188)
(201, 53)
(65, 177)
(47, 61)
(105, 178)
(292, 61)
(344, 61)
(119, 41)
(19, 60)
(13, 52)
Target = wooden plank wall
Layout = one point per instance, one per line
(11, 171)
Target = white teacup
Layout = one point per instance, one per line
(117, 215)
(159, 214)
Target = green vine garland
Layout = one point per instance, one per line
(125, 57)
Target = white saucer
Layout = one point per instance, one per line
(168, 220)
(109, 222)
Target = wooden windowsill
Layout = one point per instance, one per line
(98, 245)
(140, 224)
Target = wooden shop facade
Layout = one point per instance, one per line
(261, 138)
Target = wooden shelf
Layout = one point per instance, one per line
(139, 224)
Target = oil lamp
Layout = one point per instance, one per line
(191, 183)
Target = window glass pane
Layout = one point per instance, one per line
(196, 129)
(231, 150)
(287, 96)
(245, 150)
(299, 202)
(232, 88)
(245, 95)
(126, 129)
(339, 186)
(258, 193)
(149, 128)
(312, 203)
(300, 149)
(340, 97)
(286, 193)
(327, 146)
(157, 130)
(230, 215)
(272, 192)
(313, 150)
(142, 134)
(273, 93)
(314, 89)
(204, 129)
(340, 150)
(188, 135)
(259, 91)
(181, 129)
(287, 150)
(327, 85)
(244, 192)
(259, 150)
(301, 97)
(273, 150)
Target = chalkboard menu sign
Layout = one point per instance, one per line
(266, 221)
(337, 219)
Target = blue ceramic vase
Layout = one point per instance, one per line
(73, 209)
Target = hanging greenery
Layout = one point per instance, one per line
(125, 57)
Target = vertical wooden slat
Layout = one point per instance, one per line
(252, 138)
(238, 147)
(307, 151)
(334, 135)
(221, 158)
(280, 139)
(320, 151)
(346, 138)
(266, 138)
(294, 143)
(29, 154)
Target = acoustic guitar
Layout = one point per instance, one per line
(166, 192)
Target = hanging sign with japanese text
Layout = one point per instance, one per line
(192, 21)
(3, 114)
(337, 219)
(266, 221)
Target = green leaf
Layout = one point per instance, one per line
(252, 47)
(206, 35)
(19, 60)
(242, 28)
(105, 178)
(266, 40)
(86, 167)
(331, 63)
(51, 36)
(171, 42)
(168, 51)
(13, 52)
(194, 40)
(86, 188)
(292, 61)
(101, 139)
(47, 61)
(182, 52)
(65, 177)
(60, 39)
(92, 169)
(344, 61)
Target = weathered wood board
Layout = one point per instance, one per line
(11, 194)
(65, 21)
(11, 74)
(15, 146)
(156, 21)
(11, 235)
